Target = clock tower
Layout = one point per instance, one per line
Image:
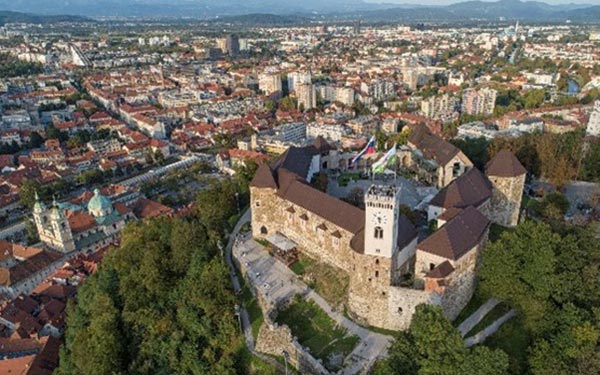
(381, 221)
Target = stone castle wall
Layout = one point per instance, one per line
(274, 339)
(270, 212)
(372, 298)
(506, 200)
(370, 276)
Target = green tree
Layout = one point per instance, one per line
(519, 268)
(27, 193)
(591, 163)
(54, 133)
(162, 303)
(554, 206)
(432, 346)
(534, 98)
(35, 140)
(31, 233)
(476, 149)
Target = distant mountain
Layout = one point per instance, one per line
(17, 17)
(184, 8)
(264, 19)
(346, 9)
(591, 14)
(488, 11)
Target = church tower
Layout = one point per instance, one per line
(62, 236)
(40, 215)
(507, 176)
(381, 221)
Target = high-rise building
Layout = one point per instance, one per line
(479, 102)
(233, 45)
(440, 107)
(379, 89)
(344, 95)
(269, 83)
(357, 27)
(243, 44)
(593, 127)
(307, 96)
(222, 44)
(298, 78)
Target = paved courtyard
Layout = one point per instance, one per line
(278, 284)
(412, 193)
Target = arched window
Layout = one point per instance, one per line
(378, 232)
(376, 261)
(263, 230)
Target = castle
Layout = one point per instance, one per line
(390, 270)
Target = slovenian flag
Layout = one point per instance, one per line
(369, 149)
(386, 161)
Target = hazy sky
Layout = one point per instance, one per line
(444, 2)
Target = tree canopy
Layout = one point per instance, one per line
(432, 346)
(160, 304)
(553, 280)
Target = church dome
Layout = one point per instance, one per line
(99, 205)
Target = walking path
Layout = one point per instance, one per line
(372, 345)
(278, 284)
(489, 330)
(244, 317)
(467, 325)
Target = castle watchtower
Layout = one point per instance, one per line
(381, 221)
(507, 176)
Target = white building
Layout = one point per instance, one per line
(293, 132)
(344, 95)
(298, 78)
(479, 102)
(441, 107)
(593, 127)
(269, 83)
(307, 96)
(331, 132)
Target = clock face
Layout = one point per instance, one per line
(378, 218)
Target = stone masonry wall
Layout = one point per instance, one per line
(506, 200)
(402, 303)
(372, 299)
(370, 276)
(274, 339)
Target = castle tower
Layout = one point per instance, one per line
(381, 221)
(507, 176)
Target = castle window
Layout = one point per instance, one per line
(378, 232)
(376, 261)
(456, 169)
(257, 204)
(400, 310)
(431, 266)
(376, 273)
(263, 230)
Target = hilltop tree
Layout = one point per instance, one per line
(160, 304)
(432, 346)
